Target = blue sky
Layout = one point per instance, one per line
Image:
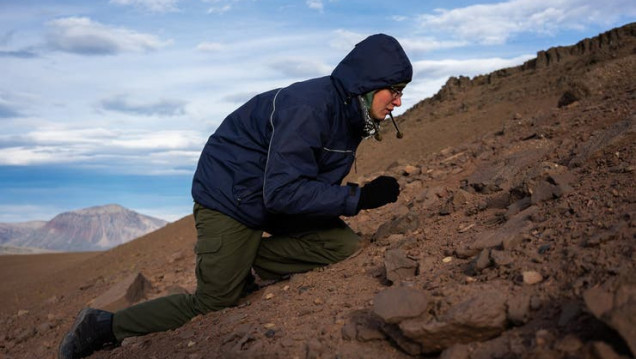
(111, 101)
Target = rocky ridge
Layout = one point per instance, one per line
(513, 237)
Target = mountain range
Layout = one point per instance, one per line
(89, 229)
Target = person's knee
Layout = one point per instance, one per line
(352, 245)
(345, 246)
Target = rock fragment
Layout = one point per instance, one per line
(618, 310)
(518, 309)
(479, 318)
(398, 266)
(532, 277)
(123, 294)
(396, 304)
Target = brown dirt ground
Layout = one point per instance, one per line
(470, 155)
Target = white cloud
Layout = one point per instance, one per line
(159, 140)
(210, 47)
(162, 107)
(315, 4)
(301, 68)
(130, 151)
(399, 18)
(81, 35)
(219, 9)
(494, 24)
(151, 5)
(345, 40)
(240, 97)
(429, 44)
(20, 156)
(425, 69)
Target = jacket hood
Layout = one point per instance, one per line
(376, 62)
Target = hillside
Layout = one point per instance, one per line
(513, 237)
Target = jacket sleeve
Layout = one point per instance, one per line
(291, 183)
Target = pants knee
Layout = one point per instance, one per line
(346, 246)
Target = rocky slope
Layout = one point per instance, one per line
(513, 237)
(95, 228)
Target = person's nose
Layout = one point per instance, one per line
(397, 102)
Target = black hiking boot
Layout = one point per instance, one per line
(92, 330)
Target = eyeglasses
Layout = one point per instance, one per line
(395, 92)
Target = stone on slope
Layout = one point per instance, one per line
(618, 310)
(396, 304)
(123, 294)
(479, 318)
(398, 266)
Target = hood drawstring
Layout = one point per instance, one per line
(398, 133)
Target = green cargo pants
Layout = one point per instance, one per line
(226, 250)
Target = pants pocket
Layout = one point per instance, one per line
(205, 250)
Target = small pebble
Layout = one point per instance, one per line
(532, 277)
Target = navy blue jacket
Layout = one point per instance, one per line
(286, 151)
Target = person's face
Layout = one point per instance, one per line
(384, 101)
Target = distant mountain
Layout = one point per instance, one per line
(89, 229)
(11, 231)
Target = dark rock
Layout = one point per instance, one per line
(501, 258)
(400, 225)
(396, 304)
(518, 206)
(569, 311)
(569, 97)
(398, 266)
(542, 191)
(514, 227)
(465, 252)
(500, 200)
(366, 334)
(409, 346)
(512, 242)
(123, 294)
(349, 331)
(518, 309)
(482, 261)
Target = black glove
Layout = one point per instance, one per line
(379, 192)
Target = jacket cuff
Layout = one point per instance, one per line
(351, 202)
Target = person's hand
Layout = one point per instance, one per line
(377, 193)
